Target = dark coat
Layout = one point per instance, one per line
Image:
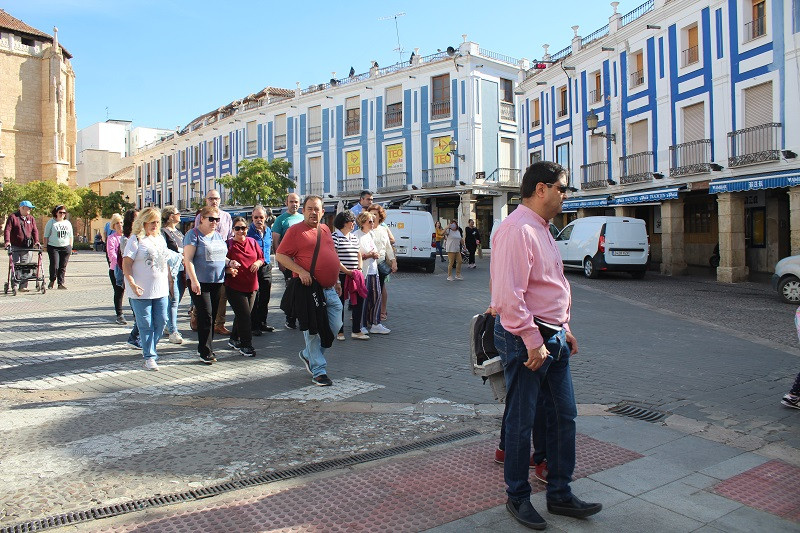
(308, 305)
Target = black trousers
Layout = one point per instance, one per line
(261, 306)
(356, 310)
(59, 257)
(242, 304)
(471, 249)
(118, 292)
(205, 307)
(287, 275)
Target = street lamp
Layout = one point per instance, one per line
(591, 123)
(452, 146)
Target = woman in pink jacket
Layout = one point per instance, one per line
(112, 247)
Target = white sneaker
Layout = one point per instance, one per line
(150, 364)
(175, 338)
(365, 331)
(360, 336)
(380, 329)
(459, 278)
(449, 278)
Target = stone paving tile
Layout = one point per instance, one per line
(688, 500)
(771, 487)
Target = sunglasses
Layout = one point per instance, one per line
(213, 219)
(240, 228)
(258, 218)
(62, 212)
(561, 188)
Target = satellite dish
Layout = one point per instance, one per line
(451, 51)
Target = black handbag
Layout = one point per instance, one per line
(384, 269)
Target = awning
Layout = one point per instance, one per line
(653, 195)
(753, 183)
(581, 203)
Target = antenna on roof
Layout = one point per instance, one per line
(399, 48)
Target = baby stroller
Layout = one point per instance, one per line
(19, 272)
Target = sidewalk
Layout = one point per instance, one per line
(647, 475)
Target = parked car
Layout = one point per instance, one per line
(413, 233)
(605, 244)
(786, 279)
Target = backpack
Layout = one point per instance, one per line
(483, 338)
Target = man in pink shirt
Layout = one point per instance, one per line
(529, 287)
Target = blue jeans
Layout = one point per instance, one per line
(554, 381)
(172, 312)
(314, 351)
(151, 316)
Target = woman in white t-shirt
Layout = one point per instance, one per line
(58, 239)
(148, 280)
(371, 315)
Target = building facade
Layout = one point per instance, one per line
(38, 127)
(676, 113)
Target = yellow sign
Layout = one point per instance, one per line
(394, 157)
(353, 162)
(401, 225)
(441, 151)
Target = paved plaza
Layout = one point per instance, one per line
(404, 439)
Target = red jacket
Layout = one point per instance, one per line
(19, 227)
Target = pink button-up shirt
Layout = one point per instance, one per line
(528, 276)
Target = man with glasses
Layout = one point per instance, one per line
(262, 234)
(284, 221)
(364, 201)
(224, 228)
(532, 300)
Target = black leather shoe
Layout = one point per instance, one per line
(576, 508)
(525, 514)
(256, 332)
(267, 327)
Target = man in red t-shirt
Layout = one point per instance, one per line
(295, 252)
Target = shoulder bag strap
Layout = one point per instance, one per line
(316, 252)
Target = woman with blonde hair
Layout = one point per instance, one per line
(147, 278)
(371, 315)
(387, 262)
(112, 245)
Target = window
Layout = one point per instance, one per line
(314, 183)
(352, 124)
(158, 170)
(147, 173)
(637, 69)
(691, 54)
(314, 124)
(536, 119)
(755, 227)
(506, 158)
(535, 157)
(182, 157)
(210, 152)
(139, 177)
(757, 26)
(638, 136)
(697, 217)
(252, 137)
(169, 167)
(562, 158)
(440, 105)
(694, 123)
(507, 100)
(394, 107)
(226, 147)
(563, 102)
(758, 105)
(280, 132)
(196, 155)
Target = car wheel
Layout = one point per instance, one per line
(789, 290)
(430, 267)
(588, 269)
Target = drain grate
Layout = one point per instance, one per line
(108, 511)
(640, 413)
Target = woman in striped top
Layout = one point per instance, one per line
(347, 247)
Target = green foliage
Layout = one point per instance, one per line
(88, 207)
(114, 203)
(45, 195)
(11, 195)
(259, 181)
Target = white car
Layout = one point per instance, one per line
(786, 279)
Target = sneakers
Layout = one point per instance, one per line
(380, 329)
(291, 325)
(449, 278)
(266, 327)
(208, 359)
(340, 336)
(62, 287)
(256, 332)
(305, 362)
(364, 330)
(791, 400)
(247, 351)
(120, 321)
(150, 364)
(540, 471)
(322, 381)
(459, 278)
(235, 344)
(176, 338)
(135, 343)
(499, 456)
(360, 336)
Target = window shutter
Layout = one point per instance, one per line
(639, 137)
(694, 125)
(506, 153)
(758, 105)
(315, 169)
(352, 103)
(394, 95)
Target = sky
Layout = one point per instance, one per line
(162, 63)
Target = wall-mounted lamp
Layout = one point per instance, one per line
(788, 154)
(715, 167)
(410, 76)
(294, 106)
(414, 187)
(611, 182)
(658, 175)
(607, 48)
(591, 123)
(653, 27)
(461, 182)
(261, 113)
(368, 87)
(453, 146)
(331, 97)
(519, 92)
(541, 83)
(567, 68)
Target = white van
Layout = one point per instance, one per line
(605, 244)
(413, 233)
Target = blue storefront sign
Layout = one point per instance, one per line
(582, 203)
(754, 183)
(647, 196)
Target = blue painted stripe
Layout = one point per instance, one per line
(763, 49)
(661, 58)
(718, 16)
(463, 97)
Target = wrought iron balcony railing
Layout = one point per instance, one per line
(755, 29)
(438, 177)
(535, 123)
(392, 181)
(440, 109)
(691, 55)
(637, 78)
(506, 177)
(394, 119)
(252, 147)
(594, 175)
(314, 134)
(507, 111)
(352, 126)
(561, 113)
(280, 142)
(636, 168)
(689, 158)
(351, 186)
(595, 96)
(313, 187)
(758, 144)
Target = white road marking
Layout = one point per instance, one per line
(341, 389)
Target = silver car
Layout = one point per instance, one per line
(786, 279)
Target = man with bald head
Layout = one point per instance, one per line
(224, 228)
(284, 221)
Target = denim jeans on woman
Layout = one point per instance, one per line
(554, 381)
(151, 315)
(178, 287)
(314, 352)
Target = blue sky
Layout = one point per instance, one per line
(163, 63)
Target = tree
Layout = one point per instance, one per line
(88, 207)
(114, 203)
(259, 181)
(10, 196)
(45, 195)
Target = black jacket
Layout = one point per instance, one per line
(308, 305)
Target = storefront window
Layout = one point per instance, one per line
(755, 229)
(697, 217)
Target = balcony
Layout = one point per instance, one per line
(636, 168)
(691, 55)
(351, 187)
(507, 111)
(637, 78)
(505, 177)
(755, 29)
(440, 109)
(690, 158)
(594, 176)
(394, 119)
(393, 181)
(751, 146)
(439, 177)
(252, 147)
(595, 96)
(314, 134)
(183, 205)
(280, 142)
(535, 123)
(561, 113)
(314, 188)
(352, 126)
